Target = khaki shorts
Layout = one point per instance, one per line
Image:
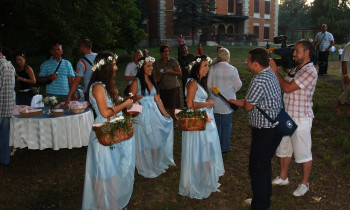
(299, 143)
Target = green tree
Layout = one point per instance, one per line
(35, 24)
(334, 13)
(194, 15)
(294, 13)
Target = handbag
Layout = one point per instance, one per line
(286, 124)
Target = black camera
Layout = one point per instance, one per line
(286, 53)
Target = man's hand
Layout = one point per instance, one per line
(236, 102)
(346, 80)
(53, 76)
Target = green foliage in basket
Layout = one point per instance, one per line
(119, 123)
(189, 113)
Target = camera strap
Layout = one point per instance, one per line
(58, 66)
(296, 71)
(321, 40)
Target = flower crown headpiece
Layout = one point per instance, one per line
(198, 61)
(103, 62)
(148, 59)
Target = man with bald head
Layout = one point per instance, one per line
(323, 42)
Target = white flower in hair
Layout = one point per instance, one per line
(103, 62)
(148, 59)
(198, 61)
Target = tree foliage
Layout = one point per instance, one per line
(194, 15)
(334, 13)
(35, 24)
(294, 13)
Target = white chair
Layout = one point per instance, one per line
(37, 101)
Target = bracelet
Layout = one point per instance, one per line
(345, 75)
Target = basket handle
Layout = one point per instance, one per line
(115, 114)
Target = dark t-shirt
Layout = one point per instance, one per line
(184, 61)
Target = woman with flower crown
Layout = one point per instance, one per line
(201, 159)
(109, 173)
(154, 134)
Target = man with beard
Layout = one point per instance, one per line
(298, 87)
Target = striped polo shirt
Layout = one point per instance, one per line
(60, 85)
(265, 92)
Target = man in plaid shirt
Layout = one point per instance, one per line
(264, 92)
(7, 101)
(299, 87)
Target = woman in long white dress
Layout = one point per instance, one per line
(201, 158)
(154, 133)
(109, 173)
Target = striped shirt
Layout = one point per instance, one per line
(7, 85)
(299, 102)
(265, 92)
(60, 85)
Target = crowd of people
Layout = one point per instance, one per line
(109, 174)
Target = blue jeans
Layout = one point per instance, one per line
(5, 149)
(224, 125)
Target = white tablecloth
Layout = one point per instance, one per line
(51, 132)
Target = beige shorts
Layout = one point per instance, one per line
(299, 143)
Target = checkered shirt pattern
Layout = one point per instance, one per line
(299, 102)
(7, 85)
(265, 92)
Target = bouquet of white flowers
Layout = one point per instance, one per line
(50, 101)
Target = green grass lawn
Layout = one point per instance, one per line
(32, 182)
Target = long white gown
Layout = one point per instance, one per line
(109, 173)
(201, 158)
(154, 136)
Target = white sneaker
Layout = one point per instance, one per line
(301, 190)
(279, 181)
(248, 201)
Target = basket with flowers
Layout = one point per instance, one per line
(192, 120)
(113, 131)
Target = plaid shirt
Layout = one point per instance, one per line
(299, 102)
(7, 85)
(265, 92)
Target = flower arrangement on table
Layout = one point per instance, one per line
(51, 101)
(113, 131)
(192, 120)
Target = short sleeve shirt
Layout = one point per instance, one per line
(84, 68)
(346, 57)
(167, 81)
(325, 39)
(130, 70)
(265, 92)
(299, 102)
(60, 85)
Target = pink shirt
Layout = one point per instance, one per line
(299, 102)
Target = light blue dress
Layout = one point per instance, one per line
(109, 173)
(154, 136)
(201, 158)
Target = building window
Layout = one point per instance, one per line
(256, 31)
(183, 31)
(256, 6)
(231, 6)
(230, 30)
(267, 7)
(176, 2)
(266, 32)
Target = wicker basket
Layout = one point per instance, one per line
(104, 137)
(77, 111)
(57, 114)
(193, 123)
(32, 114)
